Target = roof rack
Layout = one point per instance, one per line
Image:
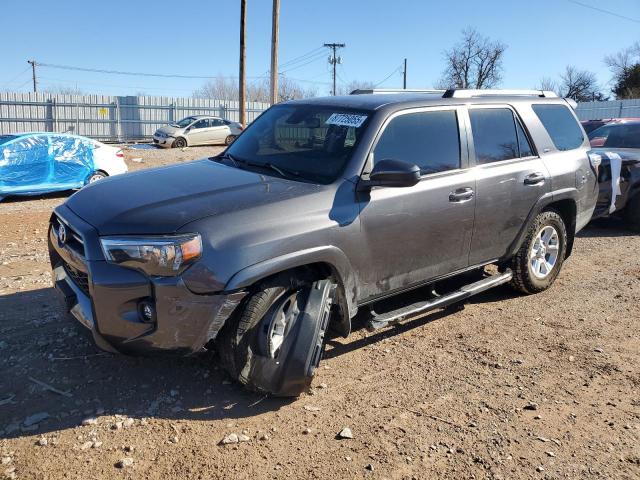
(470, 93)
(363, 91)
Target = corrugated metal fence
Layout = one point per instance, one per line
(126, 119)
(610, 109)
(108, 118)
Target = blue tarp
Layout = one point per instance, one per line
(44, 162)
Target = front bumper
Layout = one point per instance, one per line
(106, 298)
(163, 141)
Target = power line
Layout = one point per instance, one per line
(135, 74)
(314, 59)
(303, 57)
(602, 10)
(16, 77)
(396, 70)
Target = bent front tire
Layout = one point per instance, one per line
(537, 263)
(274, 344)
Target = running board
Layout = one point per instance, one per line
(382, 320)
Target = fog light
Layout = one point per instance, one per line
(147, 312)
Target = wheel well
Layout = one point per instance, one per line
(567, 209)
(341, 321)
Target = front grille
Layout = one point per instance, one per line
(80, 279)
(73, 239)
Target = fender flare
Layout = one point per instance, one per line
(329, 254)
(542, 203)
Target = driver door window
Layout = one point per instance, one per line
(428, 139)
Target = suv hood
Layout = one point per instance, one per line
(160, 201)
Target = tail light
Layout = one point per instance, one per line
(119, 154)
(241, 127)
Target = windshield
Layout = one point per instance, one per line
(310, 142)
(618, 136)
(185, 122)
(6, 138)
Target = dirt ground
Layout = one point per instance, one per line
(544, 386)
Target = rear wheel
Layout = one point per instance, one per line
(537, 263)
(274, 343)
(632, 213)
(97, 175)
(229, 140)
(179, 143)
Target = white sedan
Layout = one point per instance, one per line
(197, 130)
(34, 163)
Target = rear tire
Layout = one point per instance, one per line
(229, 140)
(260, 344)
(632, 213)
(179, 143)
(96, 176)
(537, 263)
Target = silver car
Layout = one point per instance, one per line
(197, 130)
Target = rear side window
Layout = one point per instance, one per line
(427, 139)
(561, 126)
(494, 135)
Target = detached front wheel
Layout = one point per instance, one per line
(275, 342)
(537, 263)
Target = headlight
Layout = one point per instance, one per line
(159, 256)
(161, 135)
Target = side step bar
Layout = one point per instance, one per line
(382, 320)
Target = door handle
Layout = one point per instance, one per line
(535, 178)
(461, 195)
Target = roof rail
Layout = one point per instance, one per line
(469, 93)
(362, 91)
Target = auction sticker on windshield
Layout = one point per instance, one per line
(346, 120)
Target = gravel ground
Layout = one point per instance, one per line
(544, 386)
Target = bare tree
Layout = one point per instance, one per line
(547, 83)
(625, 66)
(63, 90)
(624, 60)
(346, 89)
(475, 62)
(222, 88)
(580, 85)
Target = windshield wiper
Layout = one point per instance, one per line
(282, 171)
(226, 156)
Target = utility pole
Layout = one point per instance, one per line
(275, 19)
(333, 60)
(33, 74)
(243, 51)
(404, 75)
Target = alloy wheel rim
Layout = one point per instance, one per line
(543, 256)
(281, 320)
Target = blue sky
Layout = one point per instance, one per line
(201, 38)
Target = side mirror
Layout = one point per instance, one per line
(391, 173)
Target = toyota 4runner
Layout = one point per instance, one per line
(320, 208)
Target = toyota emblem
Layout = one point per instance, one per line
(62, 234)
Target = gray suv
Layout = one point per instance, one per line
(321, 208)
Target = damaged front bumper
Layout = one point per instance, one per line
(111, 301)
